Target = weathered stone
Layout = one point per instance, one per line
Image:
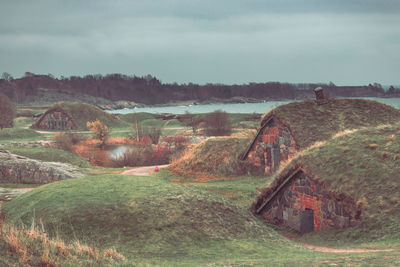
(300, 194)
(17, 169)
(277, 143)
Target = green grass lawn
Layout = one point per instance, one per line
(23, 122)
(49, 154)
(18, 134)
(151, 220)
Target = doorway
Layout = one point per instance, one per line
(306, 221)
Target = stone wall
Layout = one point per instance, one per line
(274, 144)
(56, 120)
(300, 194)
(21, 170)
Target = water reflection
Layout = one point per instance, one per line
(117, 151)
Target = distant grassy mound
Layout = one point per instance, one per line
(310, 122)
(80, 113)
(364, 165)
(14, 134)
(214, 156)
(149, 219)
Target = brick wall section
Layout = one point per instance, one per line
(300, 194)
(274, 145)
(56, 120)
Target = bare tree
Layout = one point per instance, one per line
(7, 112)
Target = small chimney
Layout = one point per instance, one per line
(319, 95)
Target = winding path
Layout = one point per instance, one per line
(143, 171)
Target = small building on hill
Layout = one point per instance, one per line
(290, 128)
(56, 119)
(300, 202)
(73, 116)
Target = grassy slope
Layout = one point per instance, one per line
(82, 113)
(366, 166)
(49, 154)
(216, 156)
(152, 220)
(20, 247)
(15, 134)
(310, 123)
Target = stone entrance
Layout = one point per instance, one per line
(56, 120)
(274, 143)
(305, 206)
(306, 221)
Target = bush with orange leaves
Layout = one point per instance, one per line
(99, 130)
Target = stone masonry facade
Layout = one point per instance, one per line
(56, 120)
(274, 144)
(301, 194)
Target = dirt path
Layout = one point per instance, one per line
(293, 237)
(339, 250)
(143, 171)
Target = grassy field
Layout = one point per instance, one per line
(204, 220)
(151, 220)
(18, 134)
(49, 154)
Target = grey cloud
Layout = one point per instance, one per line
(205, 41)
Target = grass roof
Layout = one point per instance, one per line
(310, 122)
(362, 166)
(216, 156)
(81, 113)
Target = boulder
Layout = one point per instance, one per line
(21, 170)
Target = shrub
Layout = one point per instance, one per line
(99, 130)
(176, 143)
(7, 112)
(192, 121)
(66, 141)
(153, 133)
(217, 124)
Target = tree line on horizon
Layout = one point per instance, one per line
(150, 90)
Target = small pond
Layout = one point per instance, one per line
(117, 151)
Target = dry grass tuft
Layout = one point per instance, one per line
(32, 247)
(112, 254)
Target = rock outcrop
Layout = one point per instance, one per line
(21, 170)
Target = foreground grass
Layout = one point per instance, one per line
(18, 134)
(32, 247)
(239, 190)
(149, 220)
(49, 154)
(152, 221)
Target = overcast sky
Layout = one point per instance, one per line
(218, 41)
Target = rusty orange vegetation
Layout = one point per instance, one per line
(90, 150)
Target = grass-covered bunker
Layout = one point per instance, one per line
(351, 180)
(300, 202)
(73, 116)
(290, 128)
